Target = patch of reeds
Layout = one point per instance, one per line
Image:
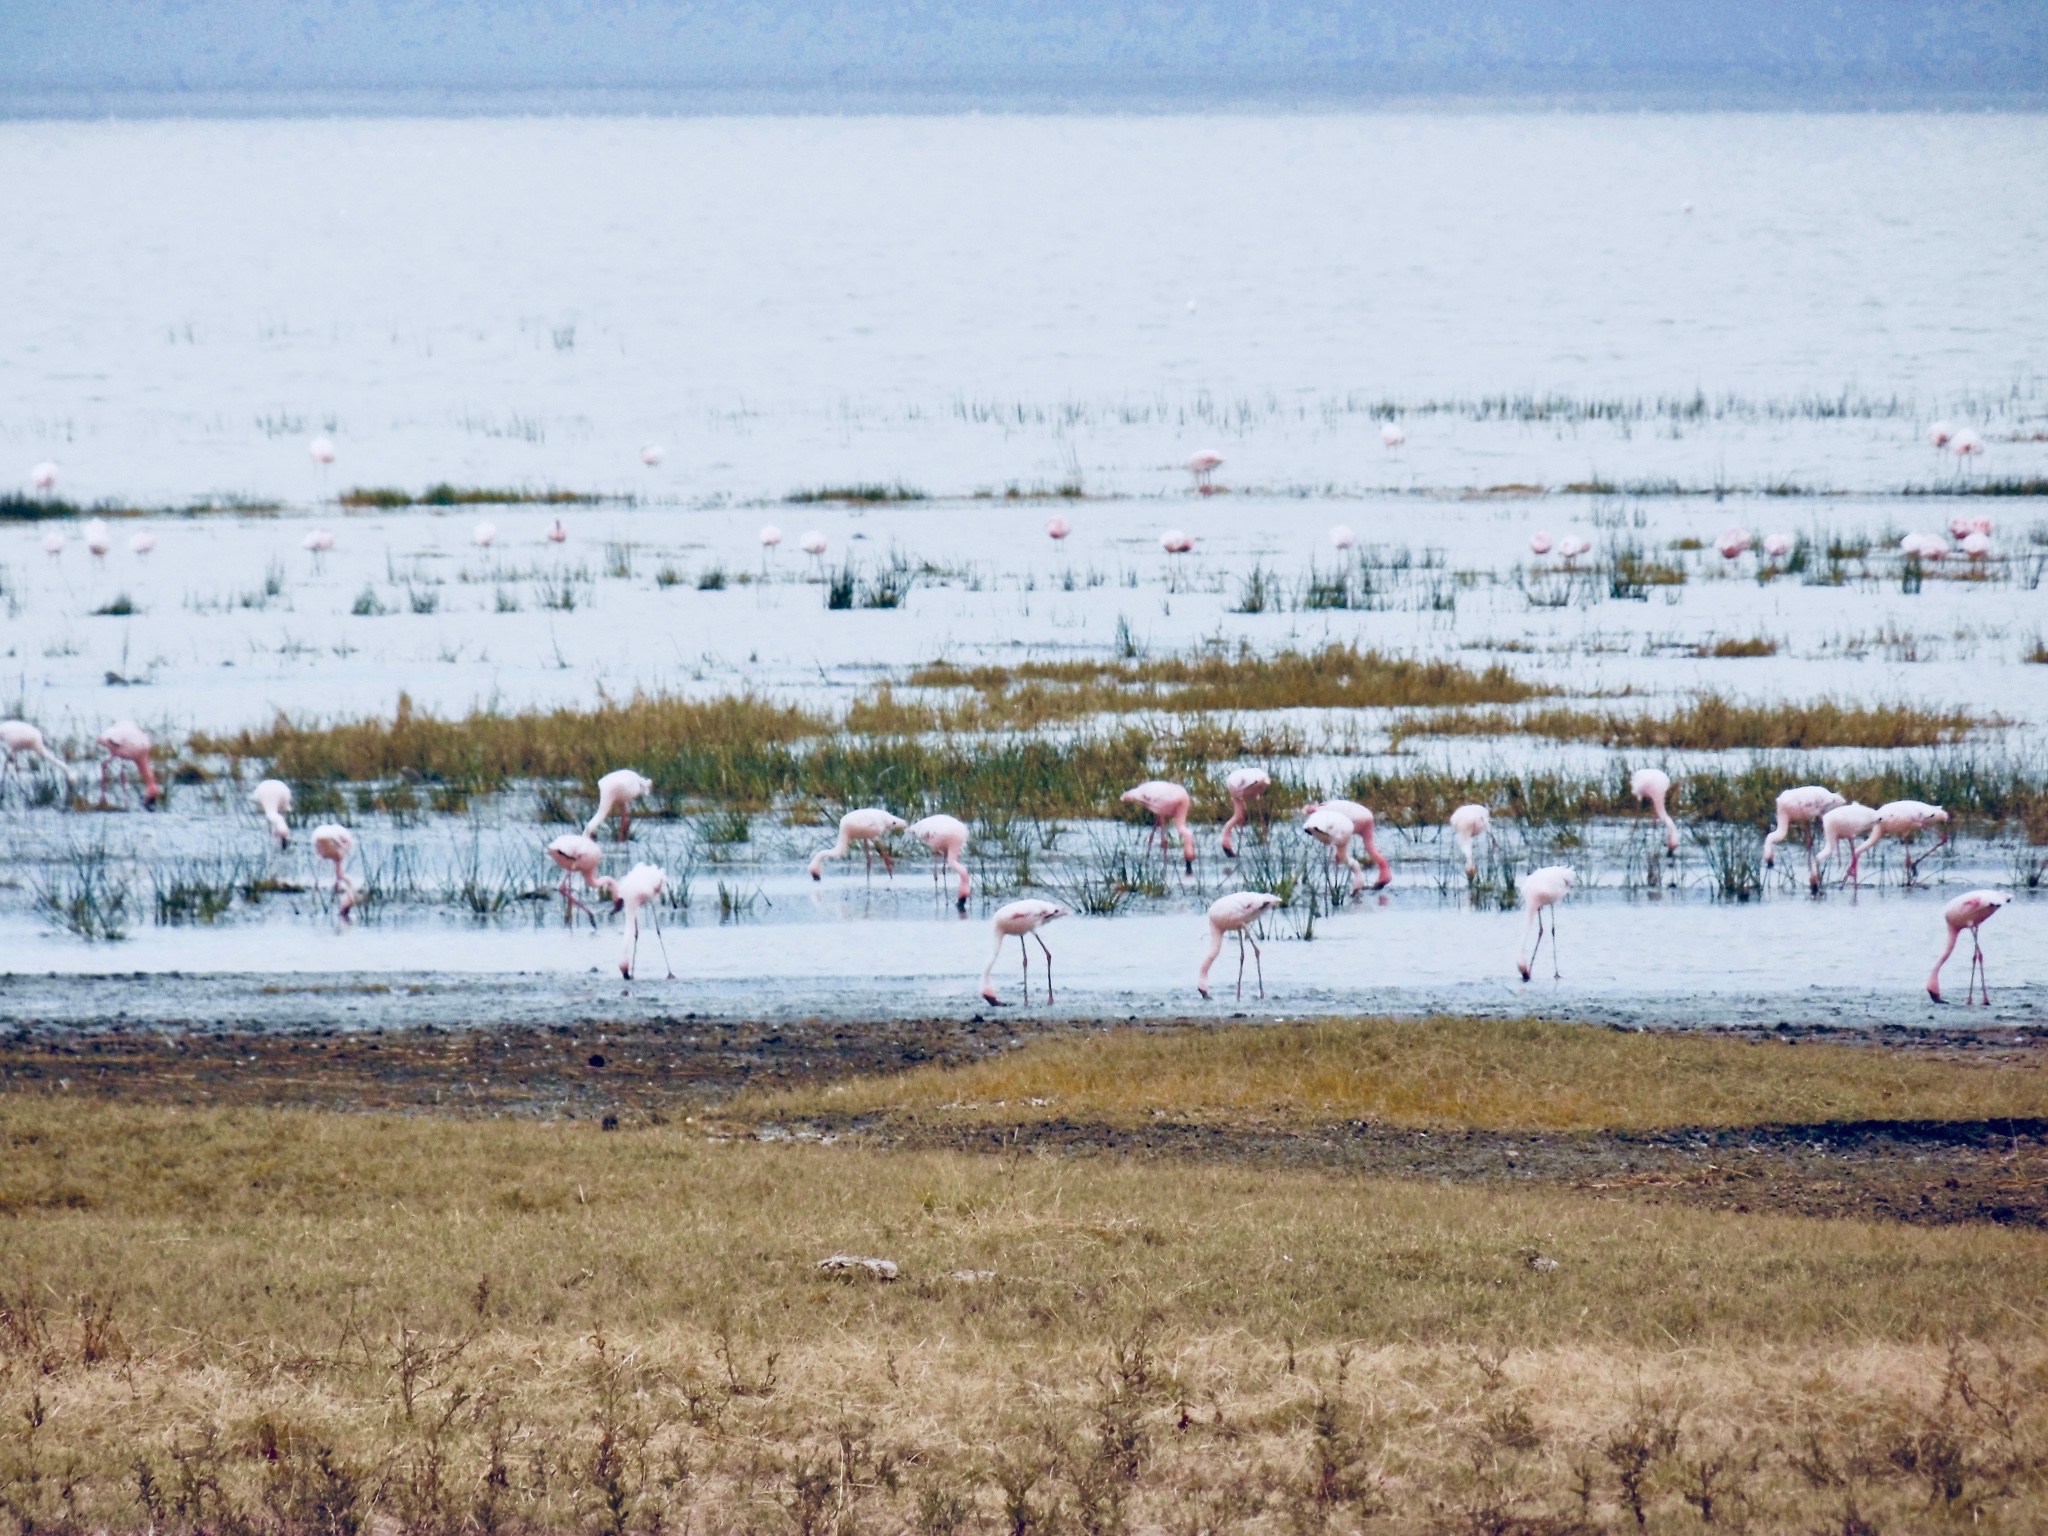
(446, 495)
(1756, 646)
(1713, 723)
(863, 492)
(120, 606)
(87, 892)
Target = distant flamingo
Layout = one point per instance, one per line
(322, 451)
(42, 478)
(1241, 785)
(317, 543)
(1844, 824)
(126, 742)
(1168, 802)
(1732, 543)
(1966, 444)
(617, 791)
(1469, 823)
(652, 454)
(1539, 542)
(1057, 527)
(770, 536)
(557, 534)
(577, 853)
(1572, 546)
(98, 539)
(1981, 525)
(1342, 536)
(946, 836)
(53, 542)
(1015, 921)
(335, 844)
(19, 737)
(812, 543)
(1968, 910)
(1541, 892)
(1654, 785)
(867, 827)
(486, 535)
(1958, 526)
(1325, 823)
(1926, 546)
(273, 798)
(1203, 467)
(640, 887)
(1805, 805)
(1392, 435)
(1779, 545)
(1175, 542)
(1976, 545)
(1940, 433)
(1902, 819)
(1236, 913)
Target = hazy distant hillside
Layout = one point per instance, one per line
(1811, 49)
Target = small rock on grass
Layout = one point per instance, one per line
(852, 1264)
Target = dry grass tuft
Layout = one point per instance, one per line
(1509, 1076)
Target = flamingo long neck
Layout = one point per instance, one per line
(1238, 817)
(1209, 959)
(148, 775)
(1781, 831)
(1955, 932)
(988, 972)
(1529, 930)
(1379, 862)
(953, 860)
(1466, 840)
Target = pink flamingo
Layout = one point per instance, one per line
(486, 534)
(53, 542)
(1967, 911)
(1779, 545)
(1966, 444)
(946, 836)
(1654, 785)
(812, 543)
(1342, 536)
(1927, 546)
(18, 736)
(652, 454)
(1469, 823)
(321, 449)
(577, 853)
(1976, 545)
(1572, 546)
(1057, 528)
(770, 537)
(1236, 913)
(336, 843)
(1361, 823)
(98, 539)
(42, 478)
(1541, 893)
(1168, 802)
(1175, 542)
(1203, 467)
(1018, 919)
(1902, 819)
(1958, 526)
(1732, 543)
(640, 887)
(126, 742)
(1805, 805)
(1243, 784)
(273, 798)
(557, 534)
(1844, 824)
(1940, 433)
(1539, 542)
(868, 828)
(617, 791)
(1392, 435)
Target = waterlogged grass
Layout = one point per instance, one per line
(307, 1321)
(1501, 1076)
(1713, 723)
(858, 493)
(446, 495)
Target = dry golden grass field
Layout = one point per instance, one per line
(268, 1318)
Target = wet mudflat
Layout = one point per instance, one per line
(633, 1073)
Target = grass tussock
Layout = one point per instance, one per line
(865, 493)
(446, 495)
(1714, 723)
(1508, 1076)
(308, 1321)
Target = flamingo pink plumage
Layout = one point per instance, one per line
(1016, 920)
(1968, 910)
(1203, 467)
(1168, 803)
(1902, 819)
(1843, 824)
(557, 534)
(1241, 785)
(1654, 785)
(1804, 805)
(946, 836)
(273, 798)
(1469, 823)
(640, 887)
(1236, 913)
(617, 791)
(126, 742)
(1539, 542)
(1392, 435)
(1362, 824)
(1732, 543)
(18, 736)
(577, 853)
(1057, 527)
(868, 827)
(335, 843)
(1541, 892)
(42, 478)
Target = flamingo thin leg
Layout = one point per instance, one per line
(1048, 966)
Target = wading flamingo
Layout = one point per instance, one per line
(1018, 919)
(1805, 805)
(617, 791)
(126, 742)
(19, 737)
(770, 537)
(1203, 467)
(1342, 536)
(98, 539)
(1168, 802)
(42, 478)
(1392, 435)
(1967, 911)
(1654, 785)
(316, 544)
(557, 534)
(1732, 543)
(1925, 546)
(321, 450)
(1779, 545)
(53, 542)
(1236, 913)
(1966, 444)
(1361, 821)
(946, 836)
(336, 843)
(1175, 542)
(1976, 545)
(1572, 546)
(1541, 892)
(576, 853)
(1243, 784)
(1469, 823)
(641, 886)
(273, 798)
(1844, 824)
(653, 454)
(1902, 819)
(867, 827)
(486, 535)
(1940, 433)
(812, 543)
(142, 543)
(1057, 527)
(1539, 542)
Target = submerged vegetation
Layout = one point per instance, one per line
(858, 493)
(446, 495)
